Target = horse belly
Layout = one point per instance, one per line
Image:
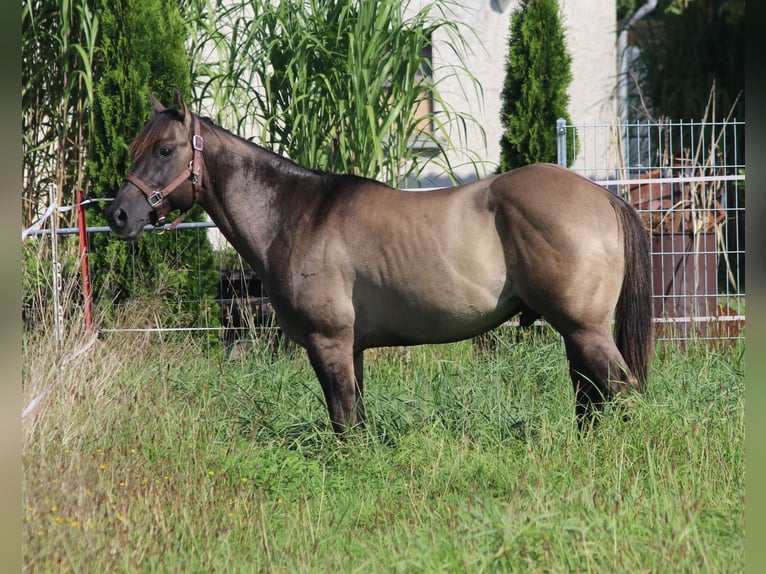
(432, 306)
(434, 273)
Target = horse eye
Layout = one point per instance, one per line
(165, 151)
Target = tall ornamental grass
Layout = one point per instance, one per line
(344, 86)
(58, 48)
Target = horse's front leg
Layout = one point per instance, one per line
(339, 371)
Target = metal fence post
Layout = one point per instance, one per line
(87, 298)
(561, 141)
(57, 310)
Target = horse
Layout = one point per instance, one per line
(351, 263)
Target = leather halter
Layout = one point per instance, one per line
(156, 198)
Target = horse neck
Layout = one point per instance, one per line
(241, 184)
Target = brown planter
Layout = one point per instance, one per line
(684, 282)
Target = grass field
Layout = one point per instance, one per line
(152, 454)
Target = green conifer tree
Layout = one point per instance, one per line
(142, 50)
(535, 90)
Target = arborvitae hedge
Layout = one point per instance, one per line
(142, 50)
(535, 90)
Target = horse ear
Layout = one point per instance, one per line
(180, 105)
(156, 104)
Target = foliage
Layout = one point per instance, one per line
(731, 9)
(37, 271)
(534, 93)
(58, 46)
(685, 52)
(334, 85)
(626, 8)
(141, 49)
(158, 455)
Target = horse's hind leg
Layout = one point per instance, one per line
(598, 371)
(359, 387)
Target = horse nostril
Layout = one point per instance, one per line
(119, 218)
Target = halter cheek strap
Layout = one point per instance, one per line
(156, 198)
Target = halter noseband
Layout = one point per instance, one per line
(156, 198)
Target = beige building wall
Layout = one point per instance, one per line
(591, 38)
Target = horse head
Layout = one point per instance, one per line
(165, 173)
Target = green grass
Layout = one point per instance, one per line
(151, 454)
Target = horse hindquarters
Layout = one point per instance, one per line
(602, 365)
(577, 255)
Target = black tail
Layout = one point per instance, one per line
(633, 315)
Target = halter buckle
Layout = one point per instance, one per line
(197, 142)
(155, 199)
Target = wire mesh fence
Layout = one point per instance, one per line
(687, 180)
(234, 308)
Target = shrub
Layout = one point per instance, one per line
(534, 94)
(142, 49)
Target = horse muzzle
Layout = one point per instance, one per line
(124, 222)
